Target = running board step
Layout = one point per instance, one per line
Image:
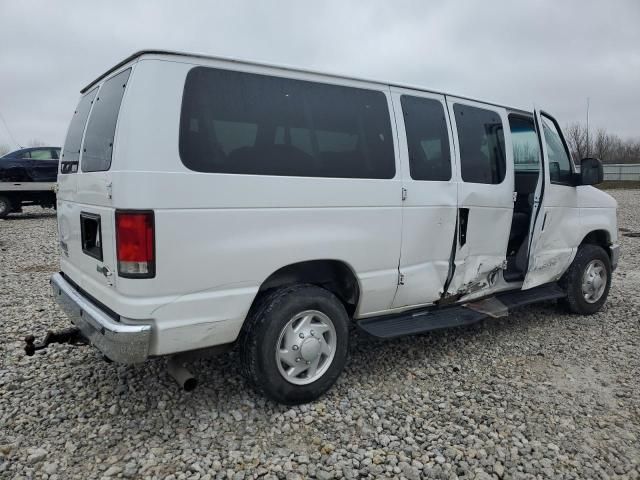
(433, 318)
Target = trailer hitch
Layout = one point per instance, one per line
(71, 335)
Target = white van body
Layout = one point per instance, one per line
(382, 245)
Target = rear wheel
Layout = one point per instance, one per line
(5, 206)
(588, 280)
(294, 343)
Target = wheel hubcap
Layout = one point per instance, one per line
(594, 281)
(306, 347)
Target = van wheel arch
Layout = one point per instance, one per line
(600, 238)
(335, 276)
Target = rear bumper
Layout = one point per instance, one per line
(118, 341)
(615, 255)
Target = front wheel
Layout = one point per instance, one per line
(588, 280)
(294, 343)
(6, 207)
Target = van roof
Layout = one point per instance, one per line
(141, 53)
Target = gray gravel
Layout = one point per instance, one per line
(539, 394)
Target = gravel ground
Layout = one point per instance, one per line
(539, 394)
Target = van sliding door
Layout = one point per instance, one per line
(485, 196)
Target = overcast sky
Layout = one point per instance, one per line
(552, 54)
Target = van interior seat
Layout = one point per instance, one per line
(350, 163)
(205, 150)
(424, 166)
(270, 160)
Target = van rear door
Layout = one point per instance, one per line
(85, 211)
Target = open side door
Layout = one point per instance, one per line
(549, 253)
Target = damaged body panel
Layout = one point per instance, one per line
(485, 199)
(555, 230)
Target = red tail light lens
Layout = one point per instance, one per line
(135, 243)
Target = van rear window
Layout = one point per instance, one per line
(73, 142)
(98, 140)
(243, 123)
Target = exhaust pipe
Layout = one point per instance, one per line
(177, 370)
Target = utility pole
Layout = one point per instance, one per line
(588, 145)
(9, 131)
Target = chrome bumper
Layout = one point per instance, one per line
(615, 255)
(117, 341)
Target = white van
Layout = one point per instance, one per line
(206, 202)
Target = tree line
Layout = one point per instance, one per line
(608, 147)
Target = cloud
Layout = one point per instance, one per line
(548, 53)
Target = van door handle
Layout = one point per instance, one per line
(108, 274)
(104, 270)
(463, 215)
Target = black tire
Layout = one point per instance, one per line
(6, 207)
(261, 334)
(572, 280)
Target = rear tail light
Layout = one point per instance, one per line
(135, 243)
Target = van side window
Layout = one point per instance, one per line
(526, 149)
(559, 162)
(427, 138)
(98, 140)
(481, 139)
(72, 143)
(244, 123)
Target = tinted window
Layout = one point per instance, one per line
(234, 122)
(481, 138)
(72, 143)
(25, 154)
(559, 163)
(526, 149)
(98, 141)
(43, 154)
(427, 138)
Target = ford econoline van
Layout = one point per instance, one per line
(207, 202)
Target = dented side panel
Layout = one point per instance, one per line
(570, 217)
(555, 246)
(557, 231)
(481, 254)
(484, 252)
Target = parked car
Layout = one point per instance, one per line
(38, 164)
(27, 177)
(206, 202)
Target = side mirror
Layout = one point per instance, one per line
(591, 171)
